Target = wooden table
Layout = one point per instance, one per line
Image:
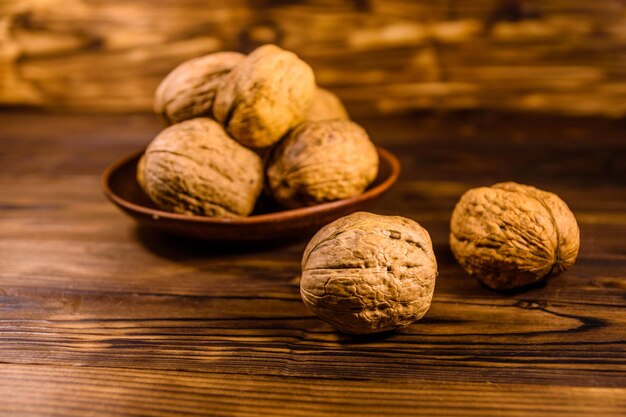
(99, 317)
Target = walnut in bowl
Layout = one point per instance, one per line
(326, 106)
(321, 161)
(189, 90)
(194, 167)
(265, 95)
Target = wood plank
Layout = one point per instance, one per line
(269, 332)
(45, 390)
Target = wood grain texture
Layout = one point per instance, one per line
(556, 56)
(99, 317)
(104, 392)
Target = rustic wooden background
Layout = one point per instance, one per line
(381, 56)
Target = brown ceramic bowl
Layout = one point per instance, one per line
(267, 222)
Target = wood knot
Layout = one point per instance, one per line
(531, 304)
(512, 11)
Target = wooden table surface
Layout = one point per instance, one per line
(99, 317)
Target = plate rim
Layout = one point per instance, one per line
(276, 217)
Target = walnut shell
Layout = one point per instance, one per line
(321, 161)
(141, 166)
(510, 235)
(264, 96)
(189, 90)
(367, 273)
(326, 106)
(194, 167)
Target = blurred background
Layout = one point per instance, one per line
(563, 57)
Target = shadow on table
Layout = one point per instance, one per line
(180, 248)
(355, 340)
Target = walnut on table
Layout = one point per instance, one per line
(367, 273)
(194, 167)
(511, 235)
(320, 162)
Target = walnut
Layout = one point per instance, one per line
(141, 166)
(194, 167)
(264, 96)
(367, 273)
(321, 161)
(510, 235)
(326, 106)
(189, 90)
